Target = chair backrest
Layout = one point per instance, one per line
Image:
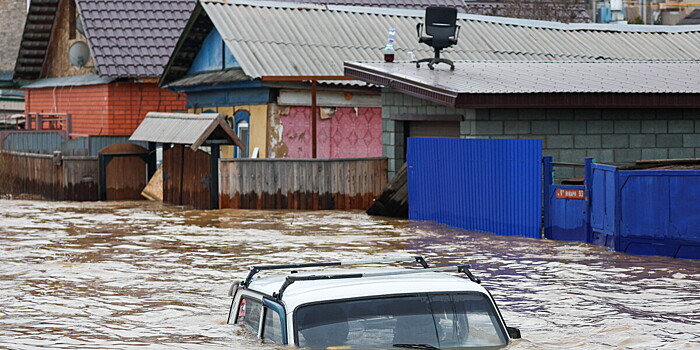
(440, 22)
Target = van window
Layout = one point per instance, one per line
(249, 313)
(441, 320)
(272, 331)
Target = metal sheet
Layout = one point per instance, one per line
(78, 80)
(565, 219)
(603, 204)
(29, 141)
(659, 213)
(259, 33)
(544, 77)
(476, 184)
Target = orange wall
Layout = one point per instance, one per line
(107, 109)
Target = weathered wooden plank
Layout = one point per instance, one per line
(303, 184)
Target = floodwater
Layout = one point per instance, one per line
(143, 275)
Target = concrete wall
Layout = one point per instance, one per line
(612, 136)
(12, 16)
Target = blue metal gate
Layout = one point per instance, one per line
(566, 214)
(477, 184)
(603, 205)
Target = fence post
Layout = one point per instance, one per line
(548, 180)
(618, 211)
(587, 185)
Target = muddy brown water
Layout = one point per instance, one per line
(142, 275)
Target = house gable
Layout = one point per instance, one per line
(213, 56)
(57, 63)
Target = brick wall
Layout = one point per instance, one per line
(611, 136)
(131, 101)
(107, 109)
(88, 105)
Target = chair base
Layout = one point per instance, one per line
(433, 61)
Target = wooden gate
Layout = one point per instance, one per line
(187, 177)
(123, 172)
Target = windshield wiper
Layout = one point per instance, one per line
(415, 346)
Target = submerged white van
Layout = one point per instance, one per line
(388, 308)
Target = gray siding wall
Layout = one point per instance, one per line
(611, 136)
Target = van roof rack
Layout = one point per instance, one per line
(255, 269)
(291, 279)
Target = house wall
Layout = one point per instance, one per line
(342, 132)
(106, 109)
(257, 125)
(611, 136)
(129, 102)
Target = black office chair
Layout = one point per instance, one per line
(443, 32)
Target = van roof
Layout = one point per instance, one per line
(303, 292)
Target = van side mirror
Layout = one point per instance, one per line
(513, 332)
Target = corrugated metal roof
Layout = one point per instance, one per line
(404, 4)
(559, 11)
(183, 128)
(210, 78)
(282, 39)
(547, 77)
(77, 80)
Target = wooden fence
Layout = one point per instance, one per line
(56, 178)
(307, 184)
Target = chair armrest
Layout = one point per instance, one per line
(457, 33)
(419, 29)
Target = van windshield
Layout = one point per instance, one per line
(444, 321)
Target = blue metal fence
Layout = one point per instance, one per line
(476, 184)
(658, 213)
(640, 212)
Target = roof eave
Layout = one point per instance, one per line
(423, 91)
(460, 99)
(166, 77)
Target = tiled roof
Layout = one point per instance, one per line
(692, 18)
(128, 38)
(282, 39)
(12, 15)
(133, 38)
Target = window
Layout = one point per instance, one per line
(442, 320)
(242, 129)
(249, 313)
(272, 331)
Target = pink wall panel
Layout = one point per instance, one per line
(347, 134)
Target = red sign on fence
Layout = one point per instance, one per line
(563, 193)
